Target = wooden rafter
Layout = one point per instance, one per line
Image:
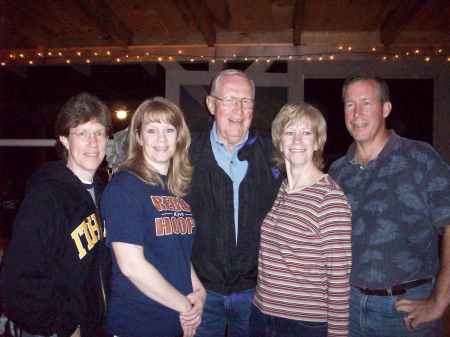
(197, 13)
(440, 7)
(32, 31)
(397, 18)
(106, 21)
(298, 22)
(221, 12)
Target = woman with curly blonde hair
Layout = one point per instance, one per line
(305, 249)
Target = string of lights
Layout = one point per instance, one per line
(120, 55)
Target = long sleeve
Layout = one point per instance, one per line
(336, 234)
(29, 291)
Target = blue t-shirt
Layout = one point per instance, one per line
(400, 202)
(149, 216)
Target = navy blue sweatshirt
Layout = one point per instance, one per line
(52, 277)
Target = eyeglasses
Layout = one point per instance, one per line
(85, 135)
(231, 102)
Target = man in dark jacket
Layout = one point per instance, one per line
(52, 281)
(233, 187)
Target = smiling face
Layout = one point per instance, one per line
(232, 120)
(158, 141)
(85, 147)
(365, 113)
(298, 143)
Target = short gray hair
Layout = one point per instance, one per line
(230, 72)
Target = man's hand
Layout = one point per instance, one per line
(419, 311)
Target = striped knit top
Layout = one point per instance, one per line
(305, 256)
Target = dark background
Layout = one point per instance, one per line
(29, 105)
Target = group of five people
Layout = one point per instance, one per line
(229, 232)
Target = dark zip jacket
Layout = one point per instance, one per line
(51, 280)
(222, 265)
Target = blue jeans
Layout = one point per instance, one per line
(221, 311)
(376, 316)
(262, 325)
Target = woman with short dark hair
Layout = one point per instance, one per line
(55, 269)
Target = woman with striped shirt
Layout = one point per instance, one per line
(305, 250)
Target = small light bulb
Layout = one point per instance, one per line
(121, 114)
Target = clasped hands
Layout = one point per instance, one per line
(191, 319)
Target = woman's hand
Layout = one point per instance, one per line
(193, 317)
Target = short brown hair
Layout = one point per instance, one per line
(381, 84)
(290, 113)
(159, 109)
(78, 110)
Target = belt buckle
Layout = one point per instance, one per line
(396, 290)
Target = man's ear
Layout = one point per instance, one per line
(387, 107)
(211, 105)
(64, 141)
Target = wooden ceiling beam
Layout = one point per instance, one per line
(197, 13)
(107, 22)
(397, 18)
(298, 22)
(220, 11)
(441, 8)
(32, 32)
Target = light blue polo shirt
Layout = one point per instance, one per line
(233, 167)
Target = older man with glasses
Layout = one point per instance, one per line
(233, 187)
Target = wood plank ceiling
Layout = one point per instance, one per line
(217, 28)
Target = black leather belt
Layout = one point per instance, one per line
(398, 289)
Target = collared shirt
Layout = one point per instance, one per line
(400, 202)
(233, 167)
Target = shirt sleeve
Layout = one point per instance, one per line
(122, 214)
(30, 294)
(336, 235)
